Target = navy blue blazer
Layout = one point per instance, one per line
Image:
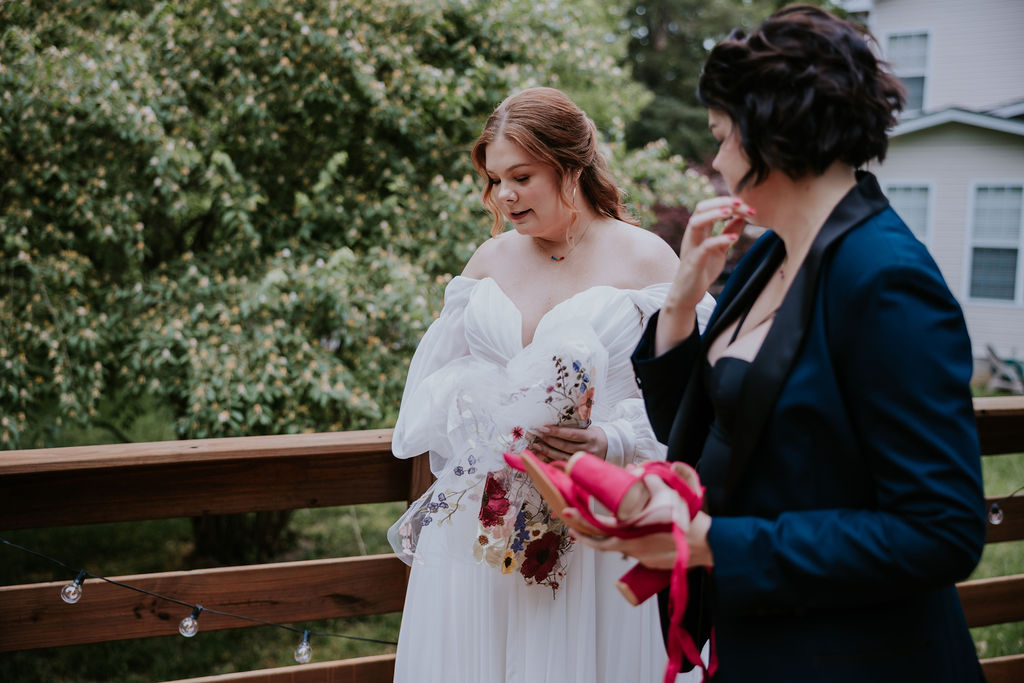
(851, 500)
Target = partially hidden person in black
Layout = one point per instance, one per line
(827, 405)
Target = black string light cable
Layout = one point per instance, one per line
(995, 513)
(189, 626)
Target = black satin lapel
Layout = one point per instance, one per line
(746, 295)
(770, 368)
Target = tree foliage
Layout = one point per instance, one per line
(247, 210)
(669, 41)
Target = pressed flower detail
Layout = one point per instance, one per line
(586, 404)
(531, 541)
(541, 556)
(572, 394)
(508, 563)
(495, 504)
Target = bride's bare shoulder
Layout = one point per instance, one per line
(649, 258)
(490, 256)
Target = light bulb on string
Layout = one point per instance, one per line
(304, 652)
(189, 626)
(995, 515)
(72, 592)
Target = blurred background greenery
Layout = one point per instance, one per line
(237, 217)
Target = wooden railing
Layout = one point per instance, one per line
(129, 482)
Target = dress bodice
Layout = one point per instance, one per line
(480, 331)
(724, 382)
(493, 323)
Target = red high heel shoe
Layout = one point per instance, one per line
(622, 492)
(585, 480)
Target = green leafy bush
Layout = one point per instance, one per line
(247, 211)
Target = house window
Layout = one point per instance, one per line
(996, 241)
(911, 203)
(908, 56)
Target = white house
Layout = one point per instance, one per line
(955, 168)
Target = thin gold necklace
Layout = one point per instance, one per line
(575, 244)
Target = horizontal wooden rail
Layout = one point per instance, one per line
(997, 600)
(129, 482)
(34, 616)
(378, 669)
(1009, 669)
(999, 421)
(248, 448)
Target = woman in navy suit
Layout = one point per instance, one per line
(827, 406)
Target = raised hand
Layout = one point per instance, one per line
(702, 257)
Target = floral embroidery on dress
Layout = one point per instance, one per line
(572, 394)
(515, 530)
(529, 541)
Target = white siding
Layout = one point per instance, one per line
(952, 159)
(976, 48)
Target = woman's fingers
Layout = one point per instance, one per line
(547, 452)
(656, 550)
(710, 212)
(584, 531)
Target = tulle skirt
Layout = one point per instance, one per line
(467, 623)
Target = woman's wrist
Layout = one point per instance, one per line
(697, 537)
(675, 324)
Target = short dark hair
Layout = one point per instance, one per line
(805, 90)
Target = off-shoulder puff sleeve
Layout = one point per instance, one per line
(443, 343)
(630, 436)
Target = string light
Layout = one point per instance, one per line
(304, 652)
(995, 513)
(72, 592)
(189, 626)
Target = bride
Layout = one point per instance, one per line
(531, 350)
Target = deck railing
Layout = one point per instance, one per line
(131, 482)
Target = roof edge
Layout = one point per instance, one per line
(962, 116)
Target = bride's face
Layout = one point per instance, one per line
(527, 191)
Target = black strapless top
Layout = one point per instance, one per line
(723, 382)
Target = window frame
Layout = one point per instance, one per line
(970, 243)
(929, 187)
(926, 70)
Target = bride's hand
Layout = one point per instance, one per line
(559, 443)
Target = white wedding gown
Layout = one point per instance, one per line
(498, 593)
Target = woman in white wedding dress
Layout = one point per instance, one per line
(531, 350)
